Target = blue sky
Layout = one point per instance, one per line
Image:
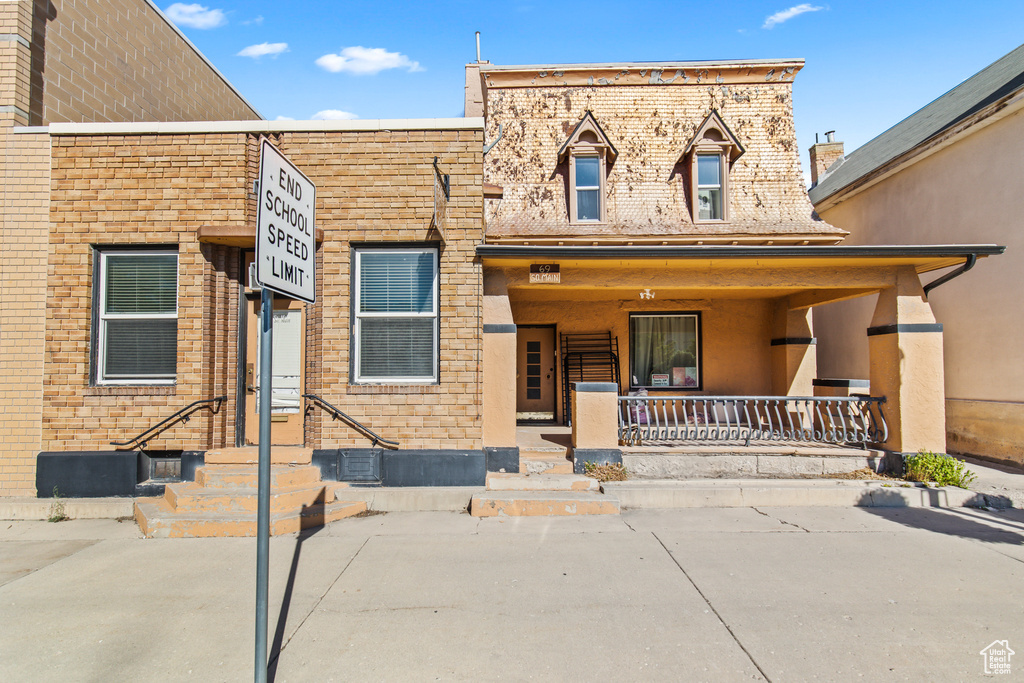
(869, 64)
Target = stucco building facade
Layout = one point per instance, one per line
(948, 173)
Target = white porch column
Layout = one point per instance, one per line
(905, 345)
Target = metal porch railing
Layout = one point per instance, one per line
(846, 420)
(182, 415)
(336, 414)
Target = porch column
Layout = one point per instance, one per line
(905, 346)
(499, 376)
(595, 424)
(794, 351)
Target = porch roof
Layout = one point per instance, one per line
(924, 258)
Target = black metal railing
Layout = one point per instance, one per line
(337, 414)
(182, 415)
(853, 420)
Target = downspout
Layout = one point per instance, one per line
(971, 260)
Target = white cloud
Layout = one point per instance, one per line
(366, 61)
(257, 51)
(787, 14)
(284, 118)
(333, 115)
(195, 16)
(255, 20)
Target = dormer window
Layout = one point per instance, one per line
(589, 152)
(586, 179)
(709, 187)
(710, 155)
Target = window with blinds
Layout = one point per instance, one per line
(396, 315)
(138, 316)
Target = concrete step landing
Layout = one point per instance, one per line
(542, 503)
(541, 460)
(539, 482)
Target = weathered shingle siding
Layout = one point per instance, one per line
(647, 186)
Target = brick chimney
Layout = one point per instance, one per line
(823, 155)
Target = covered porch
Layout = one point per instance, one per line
(712, 347)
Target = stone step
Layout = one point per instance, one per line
(157, 520)
(192, 498)
(231, 476)
(250, 455)
(540, 482)
(542, 503)
(545, 461)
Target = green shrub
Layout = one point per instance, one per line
(57, 512)
(939, 468)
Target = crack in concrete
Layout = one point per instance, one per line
(781, 521)
(271, 664)
(712, 608)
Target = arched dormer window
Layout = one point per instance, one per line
(710, 155)
(589, 152)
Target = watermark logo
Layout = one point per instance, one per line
(997, 657)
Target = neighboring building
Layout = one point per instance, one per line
(659, 207)
(72, 62)
(949, 173)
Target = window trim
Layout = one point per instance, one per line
(699, 348)
(100, 317)
(587, 151)
(723, 183)
(355, 328)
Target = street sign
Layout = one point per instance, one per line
(285, 229)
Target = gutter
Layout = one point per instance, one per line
(971, 260)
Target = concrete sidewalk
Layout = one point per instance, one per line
(879, 594)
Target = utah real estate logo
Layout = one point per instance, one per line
(997, 657)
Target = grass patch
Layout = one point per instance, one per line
(57, 511)
(938, 468)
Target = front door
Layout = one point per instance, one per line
(286, 402)
(535, 373)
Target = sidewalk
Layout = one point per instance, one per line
(876, 594)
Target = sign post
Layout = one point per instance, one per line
(285, 263)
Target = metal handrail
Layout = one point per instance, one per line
(183, 415)
(339, 415)
(813, 419)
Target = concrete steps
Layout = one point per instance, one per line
(544, 493)
(544, 460)
(224, 499)
(542, 503)
(157, 519)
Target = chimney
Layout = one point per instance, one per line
(823, 155)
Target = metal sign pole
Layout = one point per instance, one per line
(263, 509)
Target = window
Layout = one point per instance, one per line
(588, 151)
(709, 187)
(664, 350)
(395, 328)
(137, 316)
(587, 181)
(711, 152)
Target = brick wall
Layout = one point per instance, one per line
(372, 186)
(139, 190)
(119, 60)
(23, 255)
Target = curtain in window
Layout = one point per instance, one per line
(664, 350)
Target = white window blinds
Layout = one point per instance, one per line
(396, 322)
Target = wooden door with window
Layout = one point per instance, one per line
(535, 373)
